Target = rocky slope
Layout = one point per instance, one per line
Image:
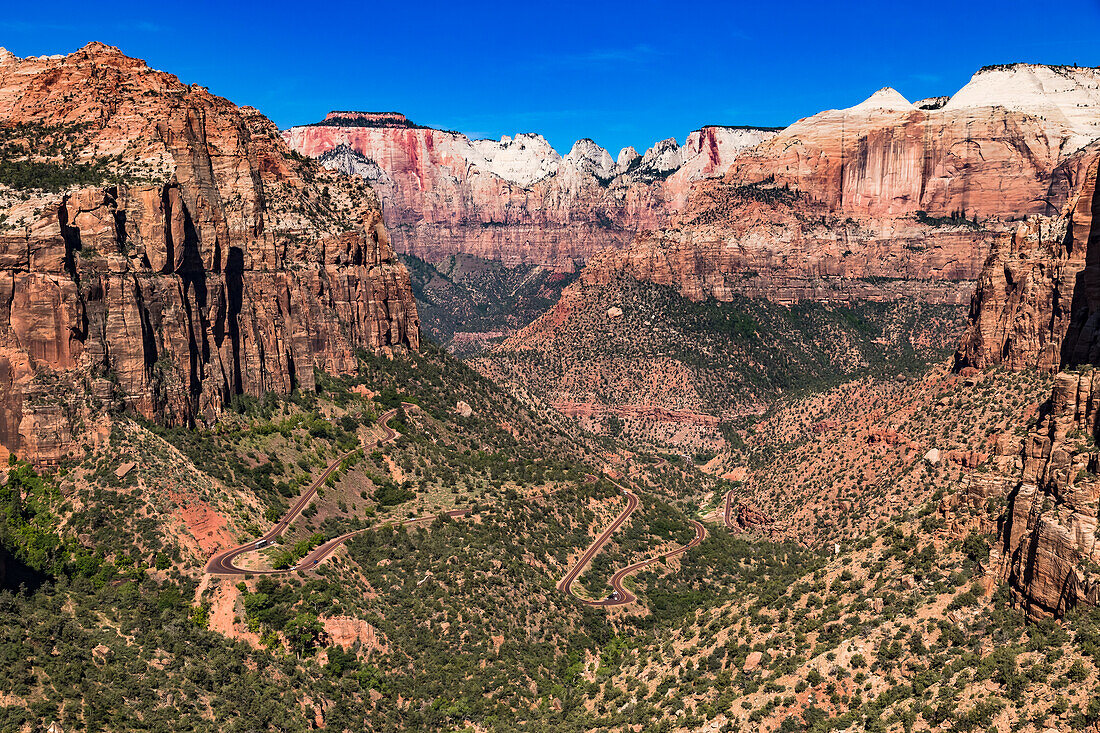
(466, 304)
(642, 362)
(886, 201)
(515, 200)
(163, 249)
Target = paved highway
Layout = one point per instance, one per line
(566, 583)
(321, 552)
(620, 595)
(222, 562)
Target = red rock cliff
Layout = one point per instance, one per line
(883, 200)
(517, 200)
(1038, 307)
(1037, 296)
(207, 262)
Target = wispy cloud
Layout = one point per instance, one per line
(23, 26)
(627, 55)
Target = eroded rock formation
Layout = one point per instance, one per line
(885, 201)
(1048, 535)
(882, 200)
(187, 256)
(517, 200)
(1036, 298)
(1038, 306)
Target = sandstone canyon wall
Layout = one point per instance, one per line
(168, 252)
(517, 200)
(879, 201)
(1038, 307)
(886, 202)
(1036, 294)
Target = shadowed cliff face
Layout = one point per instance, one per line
(1038, 306)
(207, 262)
(1082, 342)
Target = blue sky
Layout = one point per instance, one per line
(622, 73)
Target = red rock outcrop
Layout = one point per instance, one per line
(1038, 306)
(352, 633)
(1035, 298)
(793, 251)
(881, 201)
(884, 201)
(210, 262)
(874, 163)
(750, 517)
(516, 201)
(1048, 539)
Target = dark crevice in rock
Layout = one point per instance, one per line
(71, 235)
(169, 250)
(234, 284)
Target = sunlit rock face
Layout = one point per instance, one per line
(882, 200)
(208, 261)
(515, 200)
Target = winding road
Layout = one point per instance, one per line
(565, 584)
(321, 552)
(222, 562)
(620, 596)
(727, 516)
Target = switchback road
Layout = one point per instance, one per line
(566, 583)
(222, 562)
(620, 595)
(623, 596)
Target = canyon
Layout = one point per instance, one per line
(884, 202)
(834, 387)
(984, 198)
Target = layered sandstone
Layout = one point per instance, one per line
(882, 200)
(1036, 299)
(1048, 536)
(515, 200)
(767, 242)
(1038, 307)
(888, 159)
(209, 262)
(885, 201)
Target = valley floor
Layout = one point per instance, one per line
(842, 578)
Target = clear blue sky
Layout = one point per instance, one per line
(622, 73)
